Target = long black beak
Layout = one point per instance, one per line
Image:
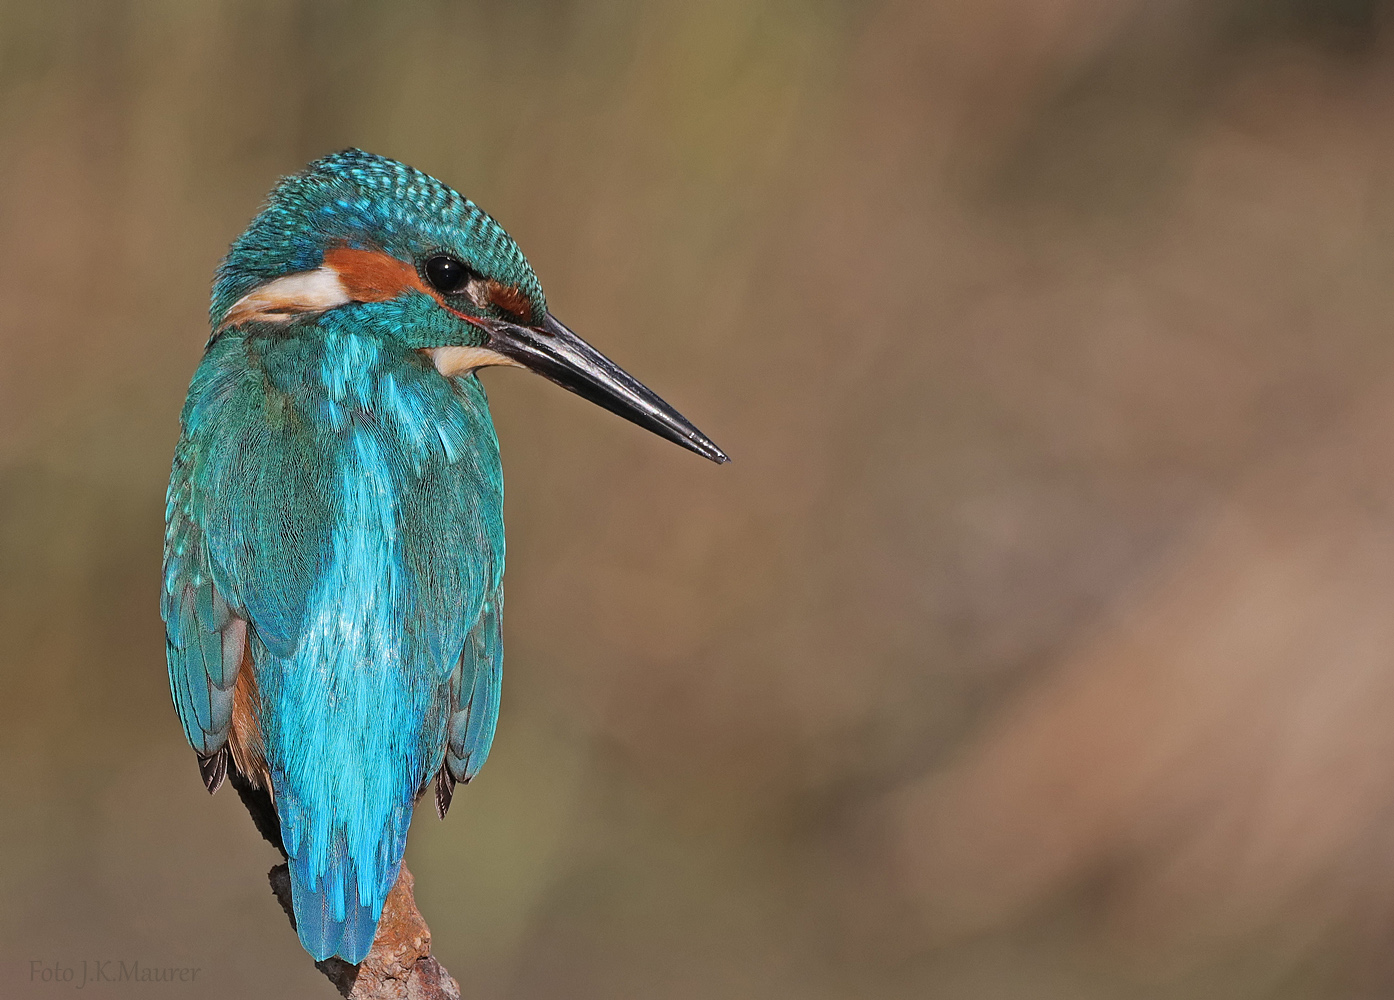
(555, 353)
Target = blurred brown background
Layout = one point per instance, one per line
(1039, 641)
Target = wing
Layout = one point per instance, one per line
(204, 640)
(227, 560)
(474, 701)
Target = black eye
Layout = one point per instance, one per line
(447, 275)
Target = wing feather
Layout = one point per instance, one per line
(203, 638)
(474, 690)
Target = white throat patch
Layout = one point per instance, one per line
(451, 361)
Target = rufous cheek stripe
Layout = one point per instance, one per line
(350, 274)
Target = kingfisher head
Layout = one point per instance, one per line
(418, 262)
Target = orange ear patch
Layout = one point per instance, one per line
(371, 275)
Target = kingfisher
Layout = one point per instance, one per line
(334, 541)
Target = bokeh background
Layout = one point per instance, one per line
(1039, 641)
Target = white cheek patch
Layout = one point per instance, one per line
(452, 361)
(294, 295)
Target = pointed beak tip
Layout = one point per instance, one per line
(706, 447)
(556, 353)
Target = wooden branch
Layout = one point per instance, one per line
(400, 966)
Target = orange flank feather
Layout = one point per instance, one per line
(248, 750)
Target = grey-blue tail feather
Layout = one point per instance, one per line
(322, 932)
(332, 916)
